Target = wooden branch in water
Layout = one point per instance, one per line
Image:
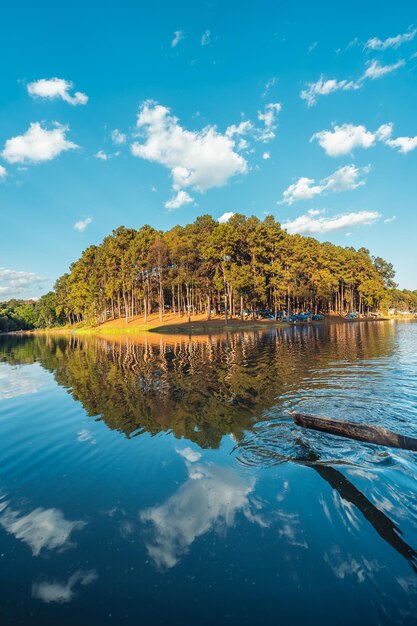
(361, 432)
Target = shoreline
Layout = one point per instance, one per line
(172, 325)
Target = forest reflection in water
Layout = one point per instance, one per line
(198, 387)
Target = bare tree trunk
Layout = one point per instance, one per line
(126, 305)
(225, 303)
(161, 298)
(187, 290)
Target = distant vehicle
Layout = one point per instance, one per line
(265, 314)
(300, 317)
(352, 316)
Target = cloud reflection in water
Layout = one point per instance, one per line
(210, 498)
(21, 380)
(42, 528)
(62, 592)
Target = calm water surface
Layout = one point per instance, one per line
(162, 481)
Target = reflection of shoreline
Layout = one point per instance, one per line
(200, 388)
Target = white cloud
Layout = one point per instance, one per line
(81, 225)
(63, 592)
(225, 217)
(344, 139)
(312, 47)
(178, 36)
(117, 137)
(303, 189)
(102, 156)
(197, 159)
(53, 88)
(14, 283)
(266, 156)
(41, 529)
(205, 39)
(179, 200)
(3, 172)
(376, 70)
(404, 144)
(343, 179)
(311, 224)
(390, 42)
(323, 87)
(37, 144)
(268, 117)
(384, 132)
(269, 84)
(388, 220)
(243, 128)
(246, 128)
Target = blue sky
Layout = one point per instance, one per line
(303, 110)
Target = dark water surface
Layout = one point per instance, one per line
(161, 481)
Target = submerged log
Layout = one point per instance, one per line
(360, 432)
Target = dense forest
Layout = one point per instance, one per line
(243, 265)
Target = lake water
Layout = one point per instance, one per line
(161, 480)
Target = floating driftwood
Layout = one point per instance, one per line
(361, 432)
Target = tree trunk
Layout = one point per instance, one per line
(187, 291)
